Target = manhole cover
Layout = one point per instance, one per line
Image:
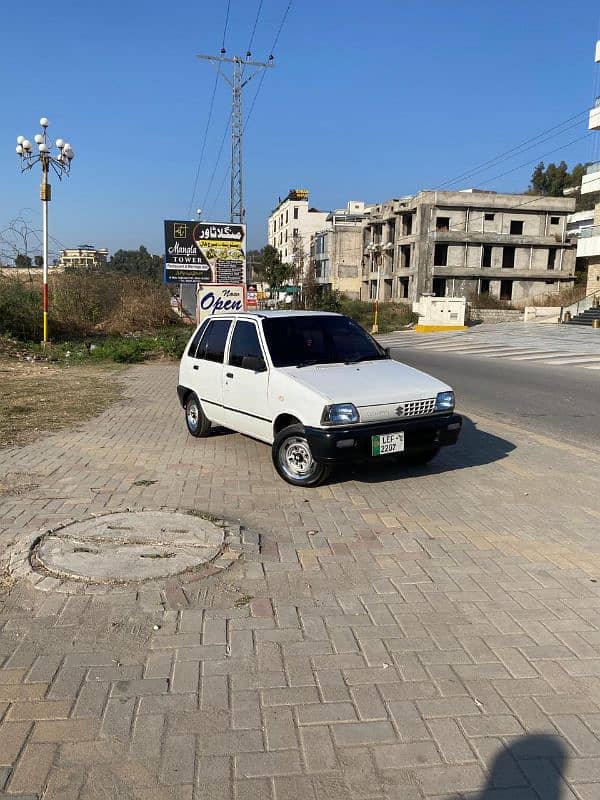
(129, 546)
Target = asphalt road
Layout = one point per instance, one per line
(562, 403)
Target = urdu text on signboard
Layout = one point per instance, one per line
(205, 252)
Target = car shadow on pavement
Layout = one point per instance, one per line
(530, 767)
(475, 447)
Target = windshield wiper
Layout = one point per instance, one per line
(375, 357)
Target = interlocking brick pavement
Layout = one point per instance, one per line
(428, 633)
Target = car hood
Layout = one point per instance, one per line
(367, 383)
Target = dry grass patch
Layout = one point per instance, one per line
(39, 397)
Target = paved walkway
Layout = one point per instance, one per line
(426, 634)
(560, 345)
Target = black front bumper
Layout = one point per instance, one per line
(419, 434)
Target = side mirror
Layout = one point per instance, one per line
(387, 351)
(254, 363)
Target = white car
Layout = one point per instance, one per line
(316, 387)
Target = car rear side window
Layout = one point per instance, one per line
(212, 346)
(244, 342)
(196, 340)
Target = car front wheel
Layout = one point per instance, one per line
(294, 461)
(197, 423)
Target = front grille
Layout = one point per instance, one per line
(390, 411)
(418, 408)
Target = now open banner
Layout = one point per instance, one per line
(219, 299)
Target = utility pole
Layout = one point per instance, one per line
(237, 83)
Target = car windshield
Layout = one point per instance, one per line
(303, 340)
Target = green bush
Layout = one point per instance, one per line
(20, 308)
(392, 316)
(489, 301)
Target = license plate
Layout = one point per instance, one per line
(387, 443)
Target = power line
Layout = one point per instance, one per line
(210, 113)
(220, 153)
(271, 52)
(517, 149)
(533, 161)
(249, 51)
(225, 28)
(202, 149)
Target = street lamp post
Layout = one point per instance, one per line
(375, 249)
(61, 164)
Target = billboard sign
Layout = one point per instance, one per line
(205, 252)
(218, 299)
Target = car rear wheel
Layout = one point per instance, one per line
(294, 461)
(197, 423)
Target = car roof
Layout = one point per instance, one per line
(270, 314)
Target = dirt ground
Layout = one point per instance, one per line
(40, 397)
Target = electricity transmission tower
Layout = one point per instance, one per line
(237, 83)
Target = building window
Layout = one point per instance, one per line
(275, 225)
(286, 216)
(506, 290)
(554, 220)
(551, 258)
(439, 287)
(550, 283)
(286, 234)
(281, 220)
(486, 256)
(403, 287)
(508, 257)
(488, 216)
(516, 227)
(440, 255)
(405, 257)
(407, 224)
(295, 232)
(442, 224)
(295, 212)
(484, 286)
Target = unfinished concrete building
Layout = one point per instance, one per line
(336, 251)
(457, 244)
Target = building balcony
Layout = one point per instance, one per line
(588, 242)
(502, 273)
(591, 180)
(595, 116)
(498, 239)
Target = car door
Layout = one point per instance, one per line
(246, 383)
(207, 369)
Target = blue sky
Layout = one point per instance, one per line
(367, 101)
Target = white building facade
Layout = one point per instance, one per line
(588, 242)
(291, 225)
(336, 251)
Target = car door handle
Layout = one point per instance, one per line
(196, 366)
(229, 374)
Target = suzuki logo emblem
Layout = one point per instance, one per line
(400, 411)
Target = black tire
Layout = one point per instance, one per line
(195, 418)
(420, 457)
(293, 460)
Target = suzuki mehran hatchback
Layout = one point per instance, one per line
(316, 387)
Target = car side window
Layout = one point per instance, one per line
(212, 346)
(196, 340)
(244, 344)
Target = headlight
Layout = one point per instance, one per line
(445, 401)
(340, 414)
